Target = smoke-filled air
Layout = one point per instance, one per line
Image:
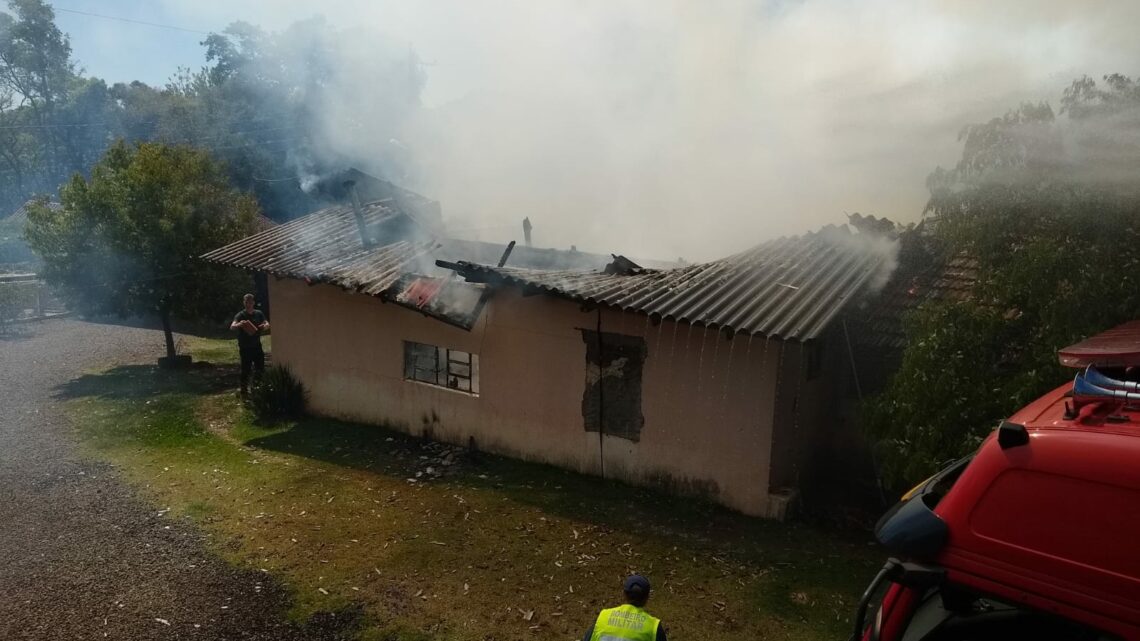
(472, 320)
(658, 129)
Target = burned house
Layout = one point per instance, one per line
(711, 379)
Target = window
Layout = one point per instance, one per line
(440, 366)
(611, 402)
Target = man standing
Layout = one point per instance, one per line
(628, 622)
(250, 324)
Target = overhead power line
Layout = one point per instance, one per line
(159, 25)
(132, 21)
(60, 125)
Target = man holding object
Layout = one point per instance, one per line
(250, 324)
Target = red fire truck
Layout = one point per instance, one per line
(1037, 534)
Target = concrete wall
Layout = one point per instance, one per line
(708, 402)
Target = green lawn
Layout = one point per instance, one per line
(500, 549)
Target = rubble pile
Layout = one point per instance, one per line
(431, 460)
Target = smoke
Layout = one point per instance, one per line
(671, 129)
(1103, 151)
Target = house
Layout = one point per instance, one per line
(711, 379)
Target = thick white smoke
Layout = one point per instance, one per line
(689, 129)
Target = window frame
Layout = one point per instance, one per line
(446, 367)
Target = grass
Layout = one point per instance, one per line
(501, 549)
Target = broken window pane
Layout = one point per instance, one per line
(611, 402)
(440, 366)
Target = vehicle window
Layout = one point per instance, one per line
(945, 480)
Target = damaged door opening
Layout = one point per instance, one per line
(611, 401)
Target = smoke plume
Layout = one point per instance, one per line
(671, 129)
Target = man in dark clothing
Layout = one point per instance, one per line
(250, 324)
(629, 622)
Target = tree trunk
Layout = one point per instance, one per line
(168, 334)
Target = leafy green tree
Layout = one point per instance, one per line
(1049, 208)
(127, 239)
(267, 104)
(36, 74)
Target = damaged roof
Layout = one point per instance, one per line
(325, 247)
(788, 288)
(485, 253)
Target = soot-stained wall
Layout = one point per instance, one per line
(611, 403)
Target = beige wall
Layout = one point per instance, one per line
(708, 401)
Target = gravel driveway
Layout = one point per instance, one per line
(81, 557)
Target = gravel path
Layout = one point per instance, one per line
(81, 557)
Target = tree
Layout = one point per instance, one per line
(279, 109)
(36, 76)
(127, 240)
(1049, 208)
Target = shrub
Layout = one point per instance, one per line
(277, 396)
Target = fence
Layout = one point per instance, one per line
(25, 297)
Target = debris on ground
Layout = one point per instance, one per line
(430, 460)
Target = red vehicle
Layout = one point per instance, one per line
(1037, 534)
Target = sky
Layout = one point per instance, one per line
(665, 128)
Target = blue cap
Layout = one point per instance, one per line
(635, 583)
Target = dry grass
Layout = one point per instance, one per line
(500, 549)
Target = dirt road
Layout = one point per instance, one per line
(82, 557)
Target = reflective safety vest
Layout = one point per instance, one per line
(625, 623)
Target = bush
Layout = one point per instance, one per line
(277, 396)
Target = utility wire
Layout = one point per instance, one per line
(133, 21)
(256, 143)
(164, 26)
(151, 122)
(230, 134)
(275, 180)
(55, 125)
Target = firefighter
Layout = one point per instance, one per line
(629, 622)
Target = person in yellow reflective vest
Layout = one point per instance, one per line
(629, 622)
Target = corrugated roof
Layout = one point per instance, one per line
(325, 247)
(789, 288)
(485, 253)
